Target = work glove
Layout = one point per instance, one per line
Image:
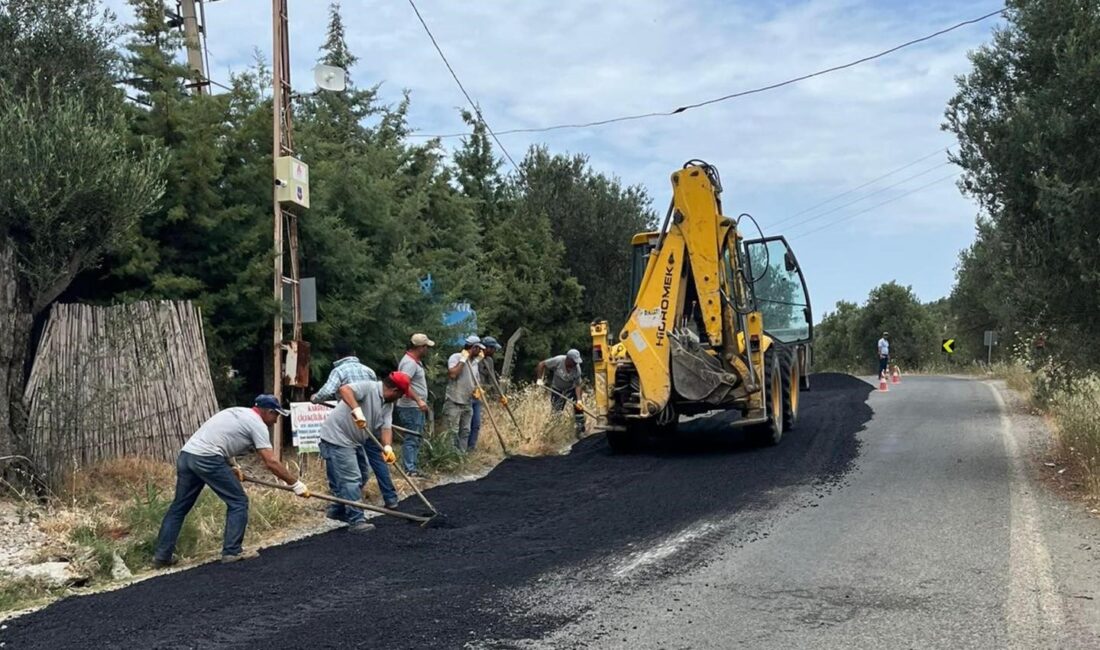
(478, 394)
(481, 354)
(540, 382)
(300, 489)
(388, 455)
(504, 400)
(360, 419)
(465, 354)
(578, 407)
(239, 473)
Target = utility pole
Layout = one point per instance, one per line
(289, 179)
(193, 35)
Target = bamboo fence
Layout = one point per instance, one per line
(110, 382)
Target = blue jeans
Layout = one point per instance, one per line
(411, 418)
(381, 472)
(475, 424)
(346, 470)
(192, 473)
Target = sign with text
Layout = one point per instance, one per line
(305, 423)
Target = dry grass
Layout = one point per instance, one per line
(1075, 414)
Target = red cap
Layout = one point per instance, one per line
(402, 381)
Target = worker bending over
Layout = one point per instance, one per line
(365, 407)
(565, 382)
(205, 461)
(347, 369)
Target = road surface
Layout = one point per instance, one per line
(904, 519)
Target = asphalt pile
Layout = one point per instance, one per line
(403, 586)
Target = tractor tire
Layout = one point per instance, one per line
(771, 432)
(792, 384)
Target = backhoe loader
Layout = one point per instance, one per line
(717, 322)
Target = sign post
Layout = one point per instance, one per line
(305, 425)
(990, 341)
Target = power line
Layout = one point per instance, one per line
(859, 187)
(867, 196)
(723, 98)
(877, 205)
(469, 99)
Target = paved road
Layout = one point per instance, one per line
(939, 540)
(884, 520)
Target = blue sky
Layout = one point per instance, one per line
(543, 62)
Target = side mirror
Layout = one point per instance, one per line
(789, 262)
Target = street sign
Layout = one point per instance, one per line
(949, 346)
(305, 423)
(990, 338)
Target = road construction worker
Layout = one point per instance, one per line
(565, 382)
(364, 406)
(485, 373)
(205, 460)
(458, 407)
(348, 369)
(409, 412)
(883, 354)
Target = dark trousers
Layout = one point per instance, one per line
(883, 364)
(192, 473)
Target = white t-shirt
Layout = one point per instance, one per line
(229, 433)
(883, 347)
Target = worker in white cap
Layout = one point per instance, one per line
(461, 388)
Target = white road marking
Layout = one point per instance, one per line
(1034, 609)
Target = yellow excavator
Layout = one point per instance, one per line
(718, 322)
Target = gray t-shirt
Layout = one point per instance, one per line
(562, 379)
(229, 433)
(461, 390)
(339, 427)
(417, 380)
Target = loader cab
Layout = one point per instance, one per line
(779, 290)
(642, 245)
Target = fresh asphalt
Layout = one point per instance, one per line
(904, 519)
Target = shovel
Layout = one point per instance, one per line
(423, 521)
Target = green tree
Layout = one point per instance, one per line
(74, 184)
(1028, 131)
(524, 280)
(595, 217)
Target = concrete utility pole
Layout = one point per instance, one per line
(193, 34)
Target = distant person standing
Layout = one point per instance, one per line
(409, 412)
(458, 408)
(883, 354)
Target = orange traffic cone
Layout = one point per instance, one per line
(896, 378)
(883, 386)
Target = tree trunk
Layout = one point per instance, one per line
(16, 324)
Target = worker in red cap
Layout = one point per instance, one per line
(347, 447)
